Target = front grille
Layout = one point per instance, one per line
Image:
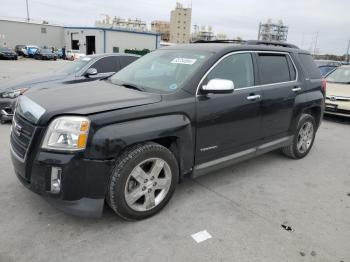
(21, 136)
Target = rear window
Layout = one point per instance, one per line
(309, 66)
(274, 68)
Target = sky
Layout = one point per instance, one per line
(308, 20)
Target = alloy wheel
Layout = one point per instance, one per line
(148, 184)
(305, 137)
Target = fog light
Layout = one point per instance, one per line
(55, 180)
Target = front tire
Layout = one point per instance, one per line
(304, 137)
(143, 181)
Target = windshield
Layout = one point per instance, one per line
(75, 66)
(162, 70)
(340, 75)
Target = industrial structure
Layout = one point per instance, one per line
(204, 33)
(163, 28)
(88, 40)
(180, 24)
(270, 31)
(121, 23)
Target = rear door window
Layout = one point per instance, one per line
(274, 68)
(309, 66)
(106, 65)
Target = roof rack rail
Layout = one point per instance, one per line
(273, 43)
(221, 41)
(248, 42)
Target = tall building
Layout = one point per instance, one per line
(273, 31)
(162, 27)
(180, 24)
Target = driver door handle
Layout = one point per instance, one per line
(253, 97)
(296, 89)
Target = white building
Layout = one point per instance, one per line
(14, 33)
(88, 40)
(96, 40)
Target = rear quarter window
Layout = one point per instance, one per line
(309, 66)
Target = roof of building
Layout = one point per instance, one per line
(111, 29)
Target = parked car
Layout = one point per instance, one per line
(327, 66)
(89, 68)
(338, 92)
(7, 53)
(73, 54)
(130, 139)
(45, 54)
(29, 50)
(19, 49)
(59, 53)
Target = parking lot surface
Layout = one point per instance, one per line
(266, 209)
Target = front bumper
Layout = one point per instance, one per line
(7, 106)
(84, 182)
(340, 108)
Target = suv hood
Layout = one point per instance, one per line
(89, 98)
(334, 89)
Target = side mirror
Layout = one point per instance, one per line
(218, 86)
(91, 72)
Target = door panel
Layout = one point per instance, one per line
(277, 75)
(277, 109)
(228, 123)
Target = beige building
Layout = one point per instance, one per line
(180, 24)
(163, 28)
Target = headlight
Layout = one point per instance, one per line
(68, 133)
(14, 93)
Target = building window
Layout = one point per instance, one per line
(115, 49)
(43, 30)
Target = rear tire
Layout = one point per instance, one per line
(143, 181)
(304, 137)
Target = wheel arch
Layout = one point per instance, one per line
(172, 131)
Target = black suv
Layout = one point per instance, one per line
(186, 109)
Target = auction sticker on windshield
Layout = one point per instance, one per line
(184, 61)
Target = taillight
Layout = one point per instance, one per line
(324, 86)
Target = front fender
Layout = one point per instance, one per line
(109, 141)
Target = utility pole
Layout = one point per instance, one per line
(28, 19)
(347, 53)
(316, 39)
